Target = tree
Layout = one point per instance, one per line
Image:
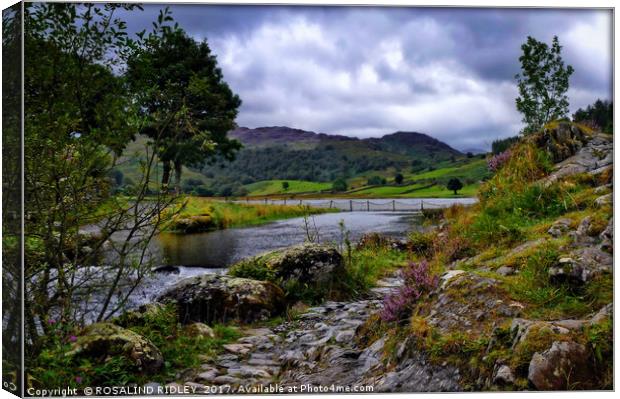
(599, 115)
(339, 185)
(398, 179)
(455, 185)
(79, 119)
(285, 185)
(543, 83)
(187, 98)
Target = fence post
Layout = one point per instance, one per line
(393, 205)
(351, 205)
(421, 205)
(284, 201)
(265, 201)
(367, 206)
(330, 203)
(300, 202)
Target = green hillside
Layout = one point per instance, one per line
(311, 162)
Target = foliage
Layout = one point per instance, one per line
(376, 181)
(74, 134)
(499, 160)
(543, 83)
(418, 281)
(285, 185)
(599, 115)
(339, 185)
(203, 214)
(183, 95)
(454, 184)
(398, 179)
(180, 351)
(500, 145)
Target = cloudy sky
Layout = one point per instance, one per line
(369, 71)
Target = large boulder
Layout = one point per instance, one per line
(562, 140)
(563, 366)
(219, 298)
(102, 340)
(306, 264)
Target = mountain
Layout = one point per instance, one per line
(284, 153)
(312, 161)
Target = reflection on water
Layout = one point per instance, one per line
(223, 248)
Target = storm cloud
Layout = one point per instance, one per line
(370, 71)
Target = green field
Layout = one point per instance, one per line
(271, 187)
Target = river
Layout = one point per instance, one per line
(184, 255)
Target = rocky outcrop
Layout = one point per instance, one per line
(562, 141)
(577, 152)
(468, 302)
(102, 340)
(311, 265)
(219, 298)
(565, 365)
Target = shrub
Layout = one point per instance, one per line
(417, 282)
(499, 160)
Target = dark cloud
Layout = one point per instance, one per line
(368, 71)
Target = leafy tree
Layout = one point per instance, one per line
(187, 98)
(79, 119)
(455, 185)
(285, 185)
(543, 83)
(339, 185)
(398, 179)
(600, 115)
(470, 155)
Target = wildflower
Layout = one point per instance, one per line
(78, 379)
(497, 161)
(72, 338)
(51, 321)
(417, 281)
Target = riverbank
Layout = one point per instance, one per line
(199, 214)
(513, 293)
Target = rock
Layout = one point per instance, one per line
(152, 388)
(582, 266)
(483, 307)
(345, 335)
(559, 227)
(199, 330)
(226, 380)
(562, 141)
(607, 237)
(503, 376)
(603, 200)
(219, 298)
(604, 314)
(505, 271)
(238, 349)
(101, 340)
(582, 154)
(565, 365)
(447, 276)
(139, 316)
(304, 264)
(207, 376)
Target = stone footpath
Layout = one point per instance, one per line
(318, 349)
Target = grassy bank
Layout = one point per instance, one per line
(508, 228)
(195, 214)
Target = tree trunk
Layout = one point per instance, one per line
(455, 192)
(165, 178)
(177, 176)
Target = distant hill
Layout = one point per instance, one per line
(312, 161)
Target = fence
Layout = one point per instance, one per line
(413, 205)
